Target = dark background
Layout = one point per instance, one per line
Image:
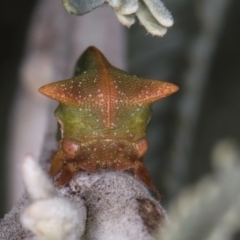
(14, 22)
(176, 158)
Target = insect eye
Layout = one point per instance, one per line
(69, 148)
(142, 147)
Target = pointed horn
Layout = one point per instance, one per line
(59, 91)
(153, 91)
(160, 90)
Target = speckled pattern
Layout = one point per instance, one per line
(103, 113)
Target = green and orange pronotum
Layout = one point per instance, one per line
(103, 113)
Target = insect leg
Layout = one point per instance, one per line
(57, 162)
(66, 174)
(141, 172)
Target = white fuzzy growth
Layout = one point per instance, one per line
(153, 14)
(49, 216)
(127, 20)
(149, 22)
(37, 184)
(78, 7)
(55, 218)
(160, 12)
(124, 7)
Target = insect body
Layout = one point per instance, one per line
(103, 113)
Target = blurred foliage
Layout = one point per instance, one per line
(211, 208)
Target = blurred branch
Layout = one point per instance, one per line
(211, 209)
(211, 17)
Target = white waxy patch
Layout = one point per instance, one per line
(48, 214)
